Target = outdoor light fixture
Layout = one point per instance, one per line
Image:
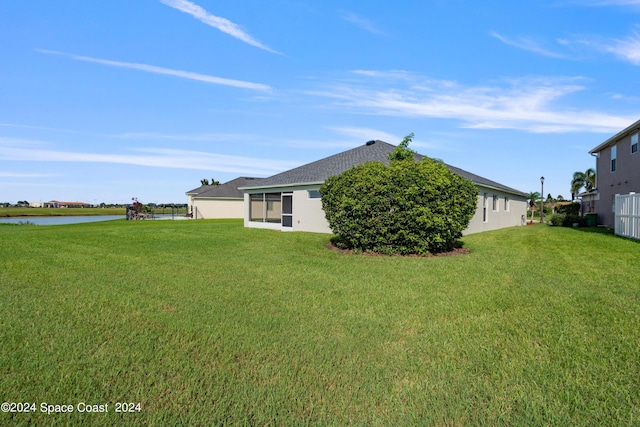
(542, 198)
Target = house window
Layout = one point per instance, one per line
(495, 203)
(484, 208)
(314, 194)
(634, 143)
(614, 154)
(265, 207)
(506, 204)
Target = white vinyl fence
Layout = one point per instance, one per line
(628, 215)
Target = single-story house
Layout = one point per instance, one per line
(219, 201)
(57, 204)
(290, 201)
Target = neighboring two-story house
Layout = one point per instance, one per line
(617, 172)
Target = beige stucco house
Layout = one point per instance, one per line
(218, 201)
(290, 201)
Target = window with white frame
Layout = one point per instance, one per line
(506, 203)
(614, 155)
(634, 143)
(313, 194)
(494, 206)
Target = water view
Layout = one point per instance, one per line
(59, 220)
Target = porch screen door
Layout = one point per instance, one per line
(287, 210)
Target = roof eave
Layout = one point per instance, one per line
(616, 137)
(296, 184)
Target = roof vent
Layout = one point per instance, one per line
(371, 142)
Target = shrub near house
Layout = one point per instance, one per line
(408, 207)
(568, 215)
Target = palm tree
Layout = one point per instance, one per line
(583, 179)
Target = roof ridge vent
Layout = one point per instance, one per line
(371, 142)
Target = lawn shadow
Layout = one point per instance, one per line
(604, 231)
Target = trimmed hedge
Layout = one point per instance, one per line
(566, 220)
(406, 208)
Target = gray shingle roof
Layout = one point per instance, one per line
(228, 190)
(378, 151)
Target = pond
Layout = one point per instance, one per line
(59, 220)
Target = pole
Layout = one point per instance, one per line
(542, 199)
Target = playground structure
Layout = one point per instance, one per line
(134, 211)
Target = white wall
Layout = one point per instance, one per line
(309, 216)
(307, 213)
(499, 218)
(217, 208)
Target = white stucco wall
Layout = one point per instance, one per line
(217, 208)
(309, 216)
(307, 212)
(500, 217)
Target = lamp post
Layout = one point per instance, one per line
(542, 198)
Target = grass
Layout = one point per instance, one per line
(205, 323)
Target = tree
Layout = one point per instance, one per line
(205, 181)
(402, 151)
(585, 179)
(405, 208)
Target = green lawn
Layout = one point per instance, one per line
(207, 323)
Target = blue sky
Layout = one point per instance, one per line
(105, 101)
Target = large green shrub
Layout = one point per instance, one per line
(408, 207)
(572, 209)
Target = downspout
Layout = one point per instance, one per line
(591, 201)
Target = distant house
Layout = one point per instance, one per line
(41, 205)
(57, 204)
(617, 172)
(291, 201)
(218, 201)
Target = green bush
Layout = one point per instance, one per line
(567, 220)
(572, 209)
(557, 220)
(408, 207)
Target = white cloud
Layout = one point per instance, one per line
(528, 44)
(627, 49)
(527, 104)
(223, 137)
(221, 24)
(361, 22)
(166, 71)
(23, 175)
(151, 157)
(610, 2)
(361, 134)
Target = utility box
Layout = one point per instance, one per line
(592, 219)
